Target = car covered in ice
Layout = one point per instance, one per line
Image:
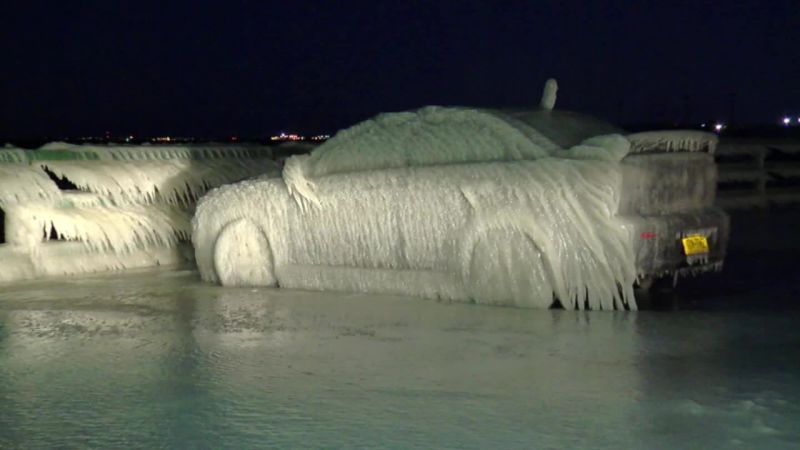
(530, 208)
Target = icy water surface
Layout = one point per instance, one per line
(159, 360)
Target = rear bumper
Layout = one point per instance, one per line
(657, 241)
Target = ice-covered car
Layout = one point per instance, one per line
(527, 208)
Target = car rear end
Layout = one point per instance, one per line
(667, 201)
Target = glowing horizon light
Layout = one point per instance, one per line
(786, 120)
(287, 137)
(719, 127)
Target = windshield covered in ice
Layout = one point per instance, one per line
(565, 128)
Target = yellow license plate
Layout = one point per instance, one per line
(694, 245)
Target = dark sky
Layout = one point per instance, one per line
(255, 67)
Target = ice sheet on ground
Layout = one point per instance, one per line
(162, 360)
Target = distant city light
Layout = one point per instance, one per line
(787, 120)
(287, 137)
(718, 127)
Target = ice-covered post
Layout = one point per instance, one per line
(549, 94)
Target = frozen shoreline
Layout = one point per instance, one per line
(161, 359)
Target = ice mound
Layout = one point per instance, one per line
(448, 203)
(98, 228)
(115, 207)
(9, 154)
(173, 181)
(22, 183)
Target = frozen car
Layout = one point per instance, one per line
(528, 208)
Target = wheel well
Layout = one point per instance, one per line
(242, 255)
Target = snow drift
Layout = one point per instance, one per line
(447, 203)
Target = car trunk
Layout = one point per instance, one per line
(667, 197)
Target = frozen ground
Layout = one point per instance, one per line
(159, 360)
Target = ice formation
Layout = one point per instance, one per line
(132, 206)
(432, 135)
(549, 95)
(448, 203)
(23, 183)
(673, 140)
(173, 181)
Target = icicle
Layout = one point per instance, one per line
(176, 180)
(22, 183)
(132, 209)
(300, 187)
(671, 141)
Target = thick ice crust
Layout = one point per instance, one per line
(664, 183)
(132, 209)
(432, 135)
(451, 203)
(99, 228)
(73, 258)
(65, 151)
(22, 183)
(174, 181)
(673, 141)
(517, 233)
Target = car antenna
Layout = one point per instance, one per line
(549, 94)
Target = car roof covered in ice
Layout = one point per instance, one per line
(448, 135)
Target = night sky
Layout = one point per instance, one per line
(256, 67)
